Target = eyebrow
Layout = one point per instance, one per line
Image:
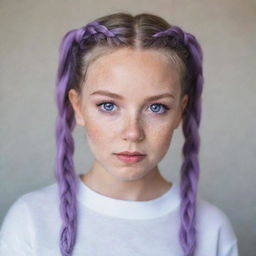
(117, 96)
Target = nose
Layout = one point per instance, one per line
(133, 129)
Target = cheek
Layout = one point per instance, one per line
(97, 131)
(96, 139)
(160, 136)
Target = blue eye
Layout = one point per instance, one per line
(108, 106)
(161, 105)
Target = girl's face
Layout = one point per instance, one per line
(118, 115)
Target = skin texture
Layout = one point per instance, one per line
(129, 124)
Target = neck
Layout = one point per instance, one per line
(149, 187)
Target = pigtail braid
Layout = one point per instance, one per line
(190, 168)
(191, 120)
(64, 170)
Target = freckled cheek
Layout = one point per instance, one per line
(160, 136)
(98, 131)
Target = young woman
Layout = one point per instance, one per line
(129, 81)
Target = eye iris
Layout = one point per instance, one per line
(108, 104)
(156, 106)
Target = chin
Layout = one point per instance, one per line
(129, 174)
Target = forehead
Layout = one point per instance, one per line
(132, 69)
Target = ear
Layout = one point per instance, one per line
(184, 102)
(76, 104)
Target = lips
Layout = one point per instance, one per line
(130, 158)
(127, 153)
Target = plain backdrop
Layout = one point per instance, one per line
(30, 35)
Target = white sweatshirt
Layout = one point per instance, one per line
(112, 227)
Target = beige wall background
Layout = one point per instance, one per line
(30, 35)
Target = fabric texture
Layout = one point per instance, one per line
(112, 227)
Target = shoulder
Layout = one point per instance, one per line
(28, 205)
(40, 202)
(18, 226)
(210, 213)
(46, 194)
(215, 227)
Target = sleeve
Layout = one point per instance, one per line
(232, 250)
(228, 242)
(16, 231)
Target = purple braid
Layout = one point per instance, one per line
(65, 122)
(190, 125)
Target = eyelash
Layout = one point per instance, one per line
(166, 108)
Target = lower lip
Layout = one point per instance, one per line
(130, 159)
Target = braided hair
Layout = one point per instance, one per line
(78, 48)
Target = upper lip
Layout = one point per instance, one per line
(130, 153)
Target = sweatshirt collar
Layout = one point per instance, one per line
(127, 209)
